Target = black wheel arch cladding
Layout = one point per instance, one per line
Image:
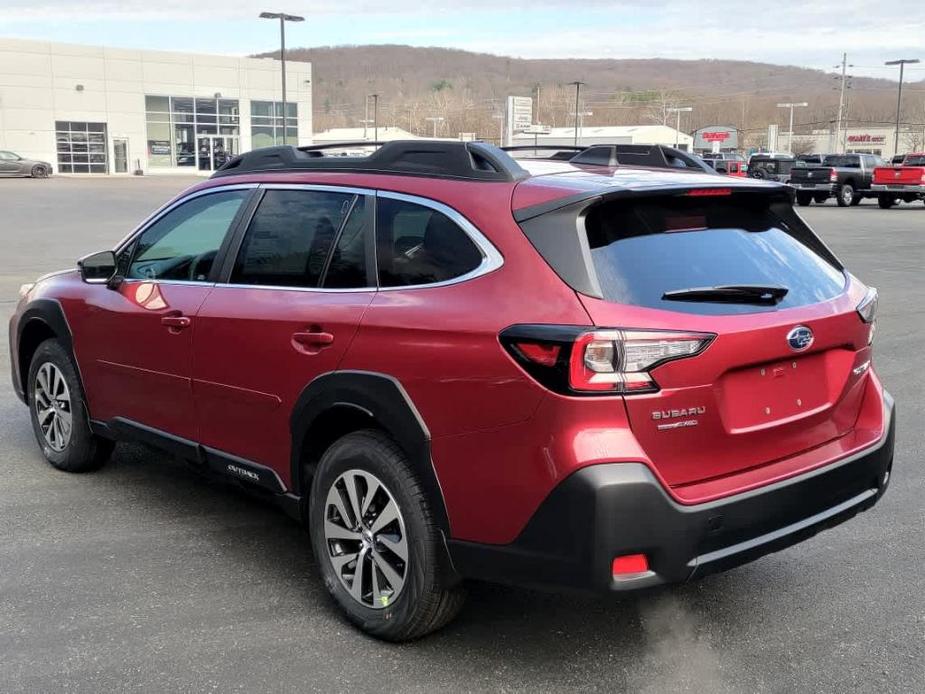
(47, 317)
(382, 398)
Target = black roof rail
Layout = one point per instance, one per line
(652, 156)
(559, 152)
(473, 161)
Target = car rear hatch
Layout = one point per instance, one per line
(783, 352)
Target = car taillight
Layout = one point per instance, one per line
(923, 178)
(867, 310)
(579, 361)
(833, 176)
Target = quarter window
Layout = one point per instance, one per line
(290, 238)
(183, 244)
(419, 245)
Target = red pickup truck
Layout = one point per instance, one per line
(905, 182)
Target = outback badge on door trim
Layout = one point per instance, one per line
(800, 338)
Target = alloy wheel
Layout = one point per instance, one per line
(52, 402)
(364, 533)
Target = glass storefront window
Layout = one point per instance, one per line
(186, 132)
(269, 127)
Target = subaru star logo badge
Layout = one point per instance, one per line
(800, 338)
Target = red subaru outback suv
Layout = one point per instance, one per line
(454, 365)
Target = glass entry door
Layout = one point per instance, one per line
(213, 151)
(120, 155)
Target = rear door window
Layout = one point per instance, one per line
(290, 238)
(641, 249)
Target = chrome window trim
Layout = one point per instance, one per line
(318, 290)
(491, 256)
(168, 207)
(141, 280)
(323, 188)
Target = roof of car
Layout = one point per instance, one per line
(536, 183)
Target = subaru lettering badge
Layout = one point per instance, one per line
(800, 338)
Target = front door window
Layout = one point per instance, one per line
(183, 244)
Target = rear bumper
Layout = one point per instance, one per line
(898, 189)
(815, 187)
(608, 510)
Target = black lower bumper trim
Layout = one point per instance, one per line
(607, 510)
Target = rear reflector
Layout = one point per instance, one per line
(708, 192)
(630, 564)
(544, 355)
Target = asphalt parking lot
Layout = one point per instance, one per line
(143, 577)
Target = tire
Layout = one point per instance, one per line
(39, 171)
(820, 199)
(845, 195)
(804, 199)
(886, 201)
(422, 599)
(63, 433)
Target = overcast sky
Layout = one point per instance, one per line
(811, 33)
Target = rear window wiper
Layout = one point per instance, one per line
(730, 294)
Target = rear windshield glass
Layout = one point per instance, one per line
(643, 248)
(918, 160)
(842, 162)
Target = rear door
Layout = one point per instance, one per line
(779, 377)
(296, 290)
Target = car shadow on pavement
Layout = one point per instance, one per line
(502, 630)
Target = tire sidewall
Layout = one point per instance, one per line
(358, 451)
(845, 195)
(81, 442)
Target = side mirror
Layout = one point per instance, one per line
(98, 268)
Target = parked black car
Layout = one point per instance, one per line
(771, 167)
(11, 164)
(847, 177)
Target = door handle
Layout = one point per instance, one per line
(313, 339)
(311, 342)
(176, 323)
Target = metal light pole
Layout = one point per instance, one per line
(283, 18)
(677, 132)
(899, 100)
(802, 104)
(375, 116)
(578, 86)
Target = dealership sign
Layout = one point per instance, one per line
(866, 139)
(716, 137)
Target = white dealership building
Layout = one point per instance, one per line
(607, 135)
(96, 110)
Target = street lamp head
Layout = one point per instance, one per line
(281, 15)
(903, 61)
